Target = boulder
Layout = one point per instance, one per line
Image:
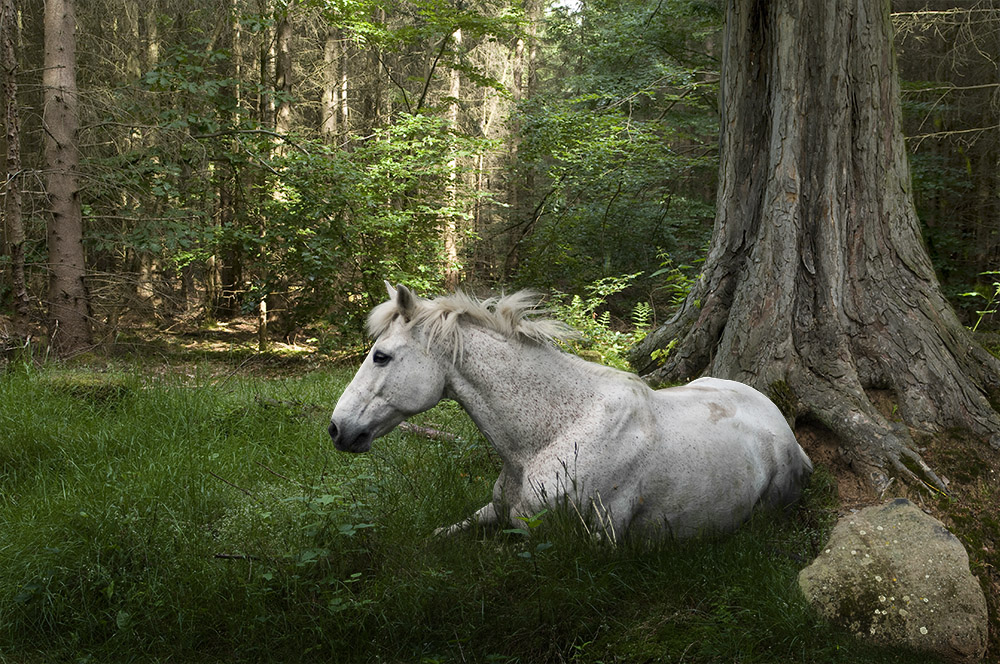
(894, 575)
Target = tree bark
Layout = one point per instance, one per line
(69, 305)
(330, 103)
(283, 74)
(451, 268)
(817, 288)
(14, 226)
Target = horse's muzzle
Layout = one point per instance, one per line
(360, 442)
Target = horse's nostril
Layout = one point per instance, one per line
(334, 432)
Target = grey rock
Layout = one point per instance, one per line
(894, 575)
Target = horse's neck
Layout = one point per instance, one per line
(517, 394)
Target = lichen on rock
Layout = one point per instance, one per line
(892, 574)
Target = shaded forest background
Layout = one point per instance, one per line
(280, 159)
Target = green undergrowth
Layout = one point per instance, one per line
(196, 517)
(972, 509)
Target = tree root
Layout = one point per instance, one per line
(875, 441)
(935, 483)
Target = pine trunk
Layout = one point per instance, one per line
(69, 308)
(283, 74)
(14, 224)
(452, 272)
(817, 288)
(330, 103)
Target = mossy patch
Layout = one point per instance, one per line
(781, 393)
(972, 509)
(97, 389)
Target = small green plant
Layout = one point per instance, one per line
(588, 315)
(677, 280)
(660, 355)
(991, 300)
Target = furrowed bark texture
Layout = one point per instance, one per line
(817, 288)
(69, 305)
(14, 228)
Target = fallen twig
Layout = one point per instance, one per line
(245, 492)
(235, 556)
(428, 432)
(279, 475)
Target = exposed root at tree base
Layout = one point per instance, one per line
(879, 446)
(933, 482)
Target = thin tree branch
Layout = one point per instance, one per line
(430, 74)
(266, 132)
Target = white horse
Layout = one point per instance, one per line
(678, 461)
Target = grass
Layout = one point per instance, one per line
(196, 516)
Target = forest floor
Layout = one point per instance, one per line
(971, 510)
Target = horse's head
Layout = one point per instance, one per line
(398, 378)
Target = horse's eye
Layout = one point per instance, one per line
(381, 359)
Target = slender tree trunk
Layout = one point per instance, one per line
(69, 307)
(265, 105)
(524, 74)
(282, 125)
(283, 73)
(236, 32)
(330, 104)
(817, 288)
(152, 34)
(451, 269)
(14, 226)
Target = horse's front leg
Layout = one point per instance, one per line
(489, 515)
(484, 516)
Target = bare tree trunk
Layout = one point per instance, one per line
(451, 268)
(283, 73)
(330, 104)
(14, 226)
(152, 34)
(817, 288)
(282, 126)
(524, 73)
(69, 306)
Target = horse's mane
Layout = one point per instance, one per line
(515, 316)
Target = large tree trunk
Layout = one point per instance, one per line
(14, 228)
(69, 306)
(817, 288)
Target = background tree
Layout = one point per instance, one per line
(616, 144)
(582, 149)
(948, 54)
(69, 303)
(13, 246)
(817, 287)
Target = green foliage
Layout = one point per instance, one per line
(619, 142)
(991, 295)
(320, 225)
(343, 220)
(210, 520)
(599, 340)
(606, 340)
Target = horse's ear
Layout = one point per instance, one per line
(389, 289)
(406, 302)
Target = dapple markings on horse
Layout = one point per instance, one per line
(678, 461)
